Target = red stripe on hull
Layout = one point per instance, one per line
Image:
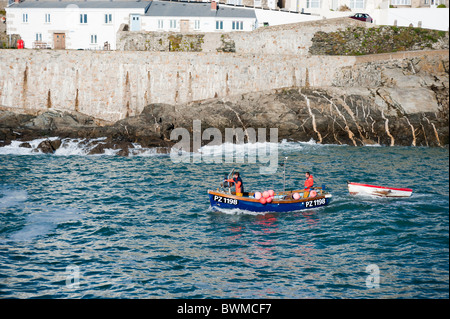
(383, 187)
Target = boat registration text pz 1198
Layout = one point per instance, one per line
(314, 203)
(225, 200)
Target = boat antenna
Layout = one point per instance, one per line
(284, 174)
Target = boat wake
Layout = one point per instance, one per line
(236, 211)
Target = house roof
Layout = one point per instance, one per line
(196, 9)
(82, 4)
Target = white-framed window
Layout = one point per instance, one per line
(173, 24)
(401, 2)
(219, 25)
(25, 17)
(47, 18)
(39, 37)
(108, 18)
(237, 25)
(196, 24)
(357, 4)
(83, 18)
(313, 3)
(160, 24)
(93, 39)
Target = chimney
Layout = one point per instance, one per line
(213, 5)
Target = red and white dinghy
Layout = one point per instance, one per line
(382, 191)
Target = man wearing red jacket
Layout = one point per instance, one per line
(309, 181)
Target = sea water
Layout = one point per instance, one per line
(80, 226)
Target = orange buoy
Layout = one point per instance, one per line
(258, 195)
(296, 196)
(262, 200)
(266, 194)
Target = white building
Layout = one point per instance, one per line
(70, 25)
(92, 25)
(196, 17)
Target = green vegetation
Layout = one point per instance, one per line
(361, 41)
(185, 43)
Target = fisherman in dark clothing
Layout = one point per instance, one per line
(237, 183)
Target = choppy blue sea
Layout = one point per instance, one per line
(78, 226)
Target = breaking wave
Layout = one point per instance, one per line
(83, 147)
(74, 146)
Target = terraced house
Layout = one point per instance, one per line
(93, 25)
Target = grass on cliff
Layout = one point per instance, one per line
(385, 39)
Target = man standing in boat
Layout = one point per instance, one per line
(237, 183)
(309, 181)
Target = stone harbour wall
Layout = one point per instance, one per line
(113, 85)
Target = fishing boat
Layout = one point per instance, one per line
(286, 201)
(382, 191)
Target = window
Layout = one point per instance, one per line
(39, 37)
(237, 25)
(401, 2)
(160, 24)
(47, 18)
(108, 18)
(93, 39)
(25, 17)
(83, 18)
(357, 4)
(219, 25)
(173, 24)
(314, 3)
(197, 25)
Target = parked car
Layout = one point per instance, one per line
(362, 17)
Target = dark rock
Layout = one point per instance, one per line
(48, 146)
(25, 144)
(98, 149)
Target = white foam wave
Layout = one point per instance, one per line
(248, 149)
(236, 211)
(9, 198)
(83, 146)
(74, 146)
(77, 146)
(15, 149)
(231, 149)
(44, 221)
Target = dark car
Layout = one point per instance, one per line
(362, 17)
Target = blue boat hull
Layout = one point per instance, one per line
(224, 202)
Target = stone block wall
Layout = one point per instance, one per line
(114, 85)
(284, 39)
